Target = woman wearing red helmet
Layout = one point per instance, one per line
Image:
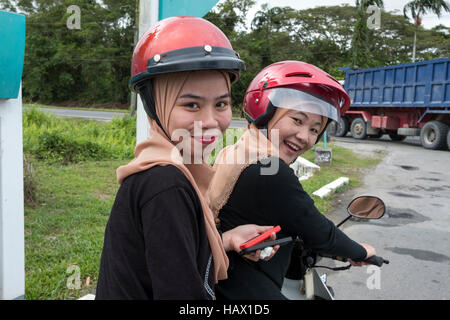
(288, 106)
(161, 240)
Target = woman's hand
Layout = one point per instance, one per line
(370, 252)
(233, 238)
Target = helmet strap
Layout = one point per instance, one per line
(324, 129)
(146, 92)
(262, 121)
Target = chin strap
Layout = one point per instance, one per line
(146, 92)
(323, 131)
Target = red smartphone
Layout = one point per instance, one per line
(258, 239)
(265, 244)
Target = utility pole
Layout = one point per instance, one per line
(133, 96)
(148, 16)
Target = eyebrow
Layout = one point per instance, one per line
(306, 116)
(193, 96)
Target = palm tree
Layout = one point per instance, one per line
(417, 8)
(360, 39)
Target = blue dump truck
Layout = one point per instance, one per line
(411, 99)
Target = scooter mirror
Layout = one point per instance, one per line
(367, 207)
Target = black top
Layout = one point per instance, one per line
(277, 199)
(155, 241)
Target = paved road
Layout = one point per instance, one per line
(414, 234)
(238, 123)
(108, 115)
(88, 114)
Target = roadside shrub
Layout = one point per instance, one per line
(35, 116)
(73, 140)
(57, 146)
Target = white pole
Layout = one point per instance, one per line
(148, 16)
(12, 250)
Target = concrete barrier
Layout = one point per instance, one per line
(327, 189)
(304, 169)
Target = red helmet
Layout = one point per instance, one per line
(180, 44)
(183, 44)
(294, 85)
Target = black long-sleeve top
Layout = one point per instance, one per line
(276, 199)
(155, 244)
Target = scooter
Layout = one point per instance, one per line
(302, 281)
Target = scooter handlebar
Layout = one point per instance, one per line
(376, 260)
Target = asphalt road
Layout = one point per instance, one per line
(414, 234)
(87, 114)
(108, 115)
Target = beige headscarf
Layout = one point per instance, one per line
(158, 150)
(252, 147)
(232, 160)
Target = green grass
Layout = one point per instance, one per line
(66, 226)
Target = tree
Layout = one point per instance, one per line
(360, 40)
(92, 65)
(230, 16)
(417, 8)
(87, 65)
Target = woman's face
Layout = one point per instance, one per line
(297, 133)
(202, 109)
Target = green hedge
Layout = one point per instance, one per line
(54, 139)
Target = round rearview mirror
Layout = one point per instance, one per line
(367, 207)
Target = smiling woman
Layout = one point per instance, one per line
(201, 114)
(292, 102)
(161, 240)
(297, 132)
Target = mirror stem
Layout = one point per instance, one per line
(340, 223)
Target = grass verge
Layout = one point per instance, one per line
(345, 163)
(67, 227)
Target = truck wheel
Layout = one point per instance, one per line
(434, 135)
(358, 129)
(342, 127)
(396, 137)
(338, 129)
(331, 129)
(448, 139)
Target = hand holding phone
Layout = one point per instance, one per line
(266, 244)
(254, 241)
(258, 242)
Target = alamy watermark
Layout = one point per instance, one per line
(74, 20)
(374, 20)
(74, 279)
(374, 280)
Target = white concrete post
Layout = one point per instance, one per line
(12, 251)
(148, 16)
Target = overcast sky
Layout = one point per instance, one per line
(428, 21)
